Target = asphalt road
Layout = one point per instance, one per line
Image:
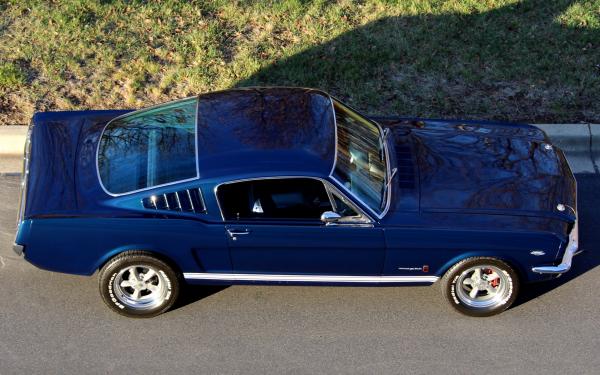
(55, 323)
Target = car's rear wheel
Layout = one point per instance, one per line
(139, 285)
(480, 286)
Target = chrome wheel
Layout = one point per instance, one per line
(484, 286)
(140, 287)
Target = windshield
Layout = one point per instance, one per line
(360, 160)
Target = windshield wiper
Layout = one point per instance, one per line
(389, 181)
(387, 186)
(386, 133)
(382, 140)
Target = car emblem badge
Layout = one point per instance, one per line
(425, 268)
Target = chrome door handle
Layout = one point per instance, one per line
(233, 233)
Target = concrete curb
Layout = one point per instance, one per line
(12, 140)
(580, 142)
(12, 143)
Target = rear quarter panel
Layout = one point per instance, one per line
(82, 245)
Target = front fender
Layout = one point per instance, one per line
(420, 251)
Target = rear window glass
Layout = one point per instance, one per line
(149, 148)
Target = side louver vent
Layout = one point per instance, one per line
(189, 200)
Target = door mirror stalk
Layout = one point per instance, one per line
(330, 217)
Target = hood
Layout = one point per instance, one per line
(489, 167)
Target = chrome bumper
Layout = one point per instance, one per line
(567, 259)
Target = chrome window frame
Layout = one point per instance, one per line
(387, 162)
(326, 184)
(137, 112)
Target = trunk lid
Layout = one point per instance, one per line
(53, 150)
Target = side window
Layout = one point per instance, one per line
(294, 198)
(342, 207)
(149, 148)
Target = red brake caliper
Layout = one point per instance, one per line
(494, 283)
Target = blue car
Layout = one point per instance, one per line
(291, 186)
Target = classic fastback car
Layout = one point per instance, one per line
(291, 186)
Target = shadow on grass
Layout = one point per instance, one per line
(589, 235)
(515, 63)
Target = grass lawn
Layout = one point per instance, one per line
(532, 61)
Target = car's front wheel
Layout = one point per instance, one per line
(480, 286)
(138, 285)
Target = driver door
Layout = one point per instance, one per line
(274, 226)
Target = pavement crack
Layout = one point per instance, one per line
(2, 262)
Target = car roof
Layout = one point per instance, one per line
(265, 131)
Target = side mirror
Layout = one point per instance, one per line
(330, 217)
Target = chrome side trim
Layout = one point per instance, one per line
(567, 259)
(155, 186)
(309, 278)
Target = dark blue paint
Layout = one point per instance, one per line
(415, 247)
(463, 189)
(81, 245)
(307, 249)
(261, 131)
